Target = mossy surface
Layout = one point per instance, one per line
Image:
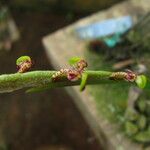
(111, 100)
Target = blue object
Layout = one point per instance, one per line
(112, 41)
(105, 28)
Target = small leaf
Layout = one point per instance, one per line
(22, 59)
(74, 60)
(141, 81)
(83, 81)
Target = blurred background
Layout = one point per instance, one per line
(47, 120)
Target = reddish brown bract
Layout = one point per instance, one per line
(24, 66)
(58, 74)
(81, 65)
(131, 76)
(72, 74)
(128, 76)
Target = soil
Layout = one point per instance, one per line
(47, 120)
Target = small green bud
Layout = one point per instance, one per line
(24, 63)
(74, 60)
(141, 81)
(22, 59)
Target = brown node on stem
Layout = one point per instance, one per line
(128, 76)
(24, 67)
(72, 74)
(81, 65)
(24, 63)
(56, 76)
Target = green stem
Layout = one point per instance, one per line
(36, 79)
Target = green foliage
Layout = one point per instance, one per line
(142, 122)
(140, 118)
(131, 128)
(143, 136)
(141, 105)
(147, 86)
(132, 115)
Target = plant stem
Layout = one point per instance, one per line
(38, 79)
